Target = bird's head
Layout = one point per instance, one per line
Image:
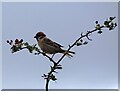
(39, 35)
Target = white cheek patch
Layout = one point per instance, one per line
(39, 38)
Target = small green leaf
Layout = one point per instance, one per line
(112, 18)
(98, 27)
(53, 77)
(78, 43)
(30, 48)
(106, 23)
(26, 44)
(14, 48)
(112, 24)
(111, 28)
(115, 24)
(85, 43)
(81, 40)
(99, 31)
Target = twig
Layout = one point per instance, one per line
(70, 47)
(19, 45)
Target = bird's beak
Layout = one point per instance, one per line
(35, 37)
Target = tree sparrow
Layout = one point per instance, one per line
(50, 47)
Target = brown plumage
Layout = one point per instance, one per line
(49, 46)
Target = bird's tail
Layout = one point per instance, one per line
(69, 53)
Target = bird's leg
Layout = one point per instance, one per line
(43, 53)
(52, 55)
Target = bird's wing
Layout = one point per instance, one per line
(58, 44)
(51, 43)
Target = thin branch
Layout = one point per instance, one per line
(44, 54)
(19, 45)
(71, 46)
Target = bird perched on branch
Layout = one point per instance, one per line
(50, 47)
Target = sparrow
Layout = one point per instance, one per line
(50, 47)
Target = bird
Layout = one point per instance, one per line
(50, 47)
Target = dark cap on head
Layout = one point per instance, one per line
(39, 34)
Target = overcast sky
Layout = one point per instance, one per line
(94, 66)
